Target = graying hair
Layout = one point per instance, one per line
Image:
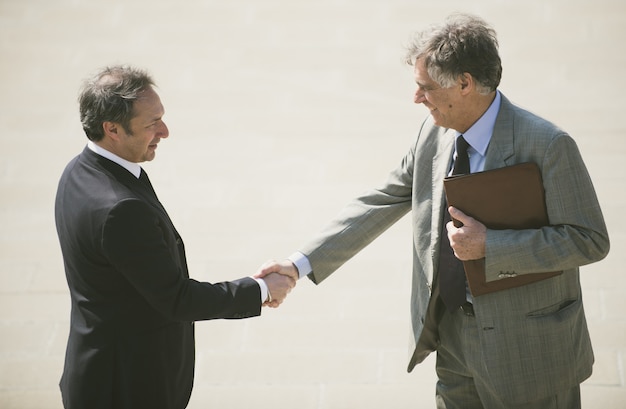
(109, 96)
(462, 44)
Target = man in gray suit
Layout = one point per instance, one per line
(526, 347)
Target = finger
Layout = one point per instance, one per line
(450, 227)
(266, 268)
(274, 304)
(288, 269)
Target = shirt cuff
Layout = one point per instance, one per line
(302, 264)
(264, 289)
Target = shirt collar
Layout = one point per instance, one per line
(479, 135)
(132, 167)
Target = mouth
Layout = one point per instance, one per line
(430, 108)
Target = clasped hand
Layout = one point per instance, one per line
(280, 278)
(467, 241)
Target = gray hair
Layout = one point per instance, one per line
(109, 96)
(462, 44)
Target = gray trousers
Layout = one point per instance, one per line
(463, 382)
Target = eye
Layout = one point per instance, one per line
(424, 88)
(153, 124)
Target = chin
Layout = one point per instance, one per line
(441, 123)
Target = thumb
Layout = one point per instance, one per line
(266, 268)
(459, 218)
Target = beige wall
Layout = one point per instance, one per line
(279, 112)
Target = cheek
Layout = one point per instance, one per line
(146, 139)
(443, 104)
(434, 100)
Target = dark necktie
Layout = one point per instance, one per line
(451, 273)
(461, 164)
(143, 177)
(145, 180)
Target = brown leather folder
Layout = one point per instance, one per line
(506, 198)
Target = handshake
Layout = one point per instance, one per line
(280, 278)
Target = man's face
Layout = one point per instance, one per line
(146, 129)
(444, 104)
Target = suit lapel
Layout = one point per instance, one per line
(124, 177)
(501, 151)
(441, 165)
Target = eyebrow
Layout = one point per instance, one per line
(422, 85)
(153, 120)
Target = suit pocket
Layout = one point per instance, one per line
(558, 308)
(547, 348)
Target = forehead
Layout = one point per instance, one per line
(421, 73)
(148, 104)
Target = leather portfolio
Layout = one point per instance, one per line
(506, 198)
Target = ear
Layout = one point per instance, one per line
(466, 81)
(112, 130)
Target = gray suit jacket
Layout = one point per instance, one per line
(534, 338)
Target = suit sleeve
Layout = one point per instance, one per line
(577, 233)
(360, 222)
(144, 248)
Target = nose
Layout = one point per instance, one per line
(418, 98)
(164, 132)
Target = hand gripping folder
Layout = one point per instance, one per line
(506, 198)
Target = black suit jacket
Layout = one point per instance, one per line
(131, 341)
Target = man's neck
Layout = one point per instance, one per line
(479, 105)
(102, 150)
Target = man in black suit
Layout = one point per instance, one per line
(131, 341)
